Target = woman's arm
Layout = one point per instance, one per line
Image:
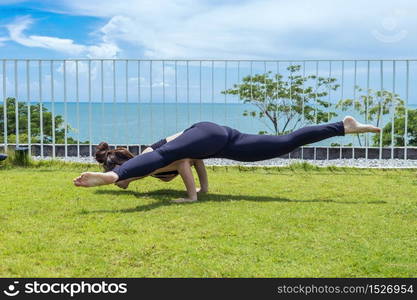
(187, 176)
(202, 175)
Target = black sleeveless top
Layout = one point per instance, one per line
(156, 146)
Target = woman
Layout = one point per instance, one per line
(205, 140)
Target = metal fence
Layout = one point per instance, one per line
(76, 103)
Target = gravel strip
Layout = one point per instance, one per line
(280, 162)
(356, 163)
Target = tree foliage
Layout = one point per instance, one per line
(373, 104)
(35, 122)
(399, 129)
(284, 103)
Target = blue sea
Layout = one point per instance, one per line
(145, 123)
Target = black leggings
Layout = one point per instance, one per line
(209, 140)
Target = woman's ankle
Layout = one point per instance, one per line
(111, 177)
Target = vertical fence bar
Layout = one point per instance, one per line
(393, 108)
(163, 97)
(341, 98)
(5, 106)
(303, 91)
(330, 105)
(290, 102)
(407, 79)
(114, 101)
(251, 75)
(200, 90)
(127, 99)
(366, 108)
(53, 108)
(265, 82)
(65, 110)
(188, 92)
(102, 97)
(176, 94)
(41, 107)
(265, 85)
(355, 70)
(381, 75)
(16, 93)
(315, 103)
(238, 81)
(28, 107)
(212, 90)
(77, 98)
(225, 94)
(139, 101)
(277, 87)
(151, 96)
(291, 84)
(90, 130)
(302, 104)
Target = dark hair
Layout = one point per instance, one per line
(111, 158)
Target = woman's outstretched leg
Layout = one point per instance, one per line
(255, 147)
(316, 133)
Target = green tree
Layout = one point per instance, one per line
(35, 127)
(286, 102)
(399, 129)
(372, 104)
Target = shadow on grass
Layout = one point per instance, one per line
(165, 195)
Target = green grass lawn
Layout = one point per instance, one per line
(281, 222)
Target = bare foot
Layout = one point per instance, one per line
(90, 179)
(353, 126)
(184, 200)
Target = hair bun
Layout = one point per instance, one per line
(103, 146)
(101, 152)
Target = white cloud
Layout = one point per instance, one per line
(265, 29)
(254, 28)
(105, 49)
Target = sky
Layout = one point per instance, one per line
(198, 29)
(209, 29)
